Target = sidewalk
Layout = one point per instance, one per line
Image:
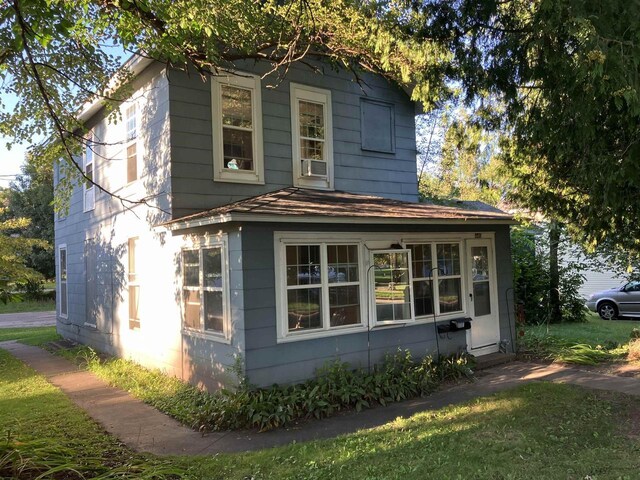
(27, 319)
(144, 428)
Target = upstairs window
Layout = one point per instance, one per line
(131, 123)
(88, 187)
(312, 139)
(237, 129)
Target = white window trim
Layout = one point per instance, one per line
(372, 294)
(128, 142)
(224, 337)
(316, 95)
(367, 241)
(61, 247)
(135, 283)
(86, 207)
(250, 82)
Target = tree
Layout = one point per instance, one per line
(568, 75)
(30, 197)
(55, 54)
(466, 166)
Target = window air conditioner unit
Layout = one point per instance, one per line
(314, 168)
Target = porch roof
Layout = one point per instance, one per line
(301, 205)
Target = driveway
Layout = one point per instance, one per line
(27, 319)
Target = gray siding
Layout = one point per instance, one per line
(356, 170)
(270, 362)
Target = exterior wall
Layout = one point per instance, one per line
(270, 362)
(386, 174)
(97, 261)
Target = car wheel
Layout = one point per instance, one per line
(607, 311)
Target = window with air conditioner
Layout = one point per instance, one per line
(312, 139)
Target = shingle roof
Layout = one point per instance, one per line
(296, 204)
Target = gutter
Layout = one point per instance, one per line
(248, 217)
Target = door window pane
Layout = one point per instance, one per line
(304, 308)
(480, 263)
(481, 298)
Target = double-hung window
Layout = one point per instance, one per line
(437, 286)
(312, 137)
(134, 284)
(62, 265)
(88, 188)
(205, 291)
(237, 128)
(131, 124)
(323, 288)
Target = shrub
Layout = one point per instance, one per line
(635, 333)
(548, 347)
(634, 350)
(31, 289)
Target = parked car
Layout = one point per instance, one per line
(616, 302)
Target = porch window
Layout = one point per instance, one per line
(392, 285)
(322, 287)
(237, 114)
(444, 275)
(205, 304)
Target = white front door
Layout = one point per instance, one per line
(484, 336)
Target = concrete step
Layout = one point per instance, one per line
(493, 359)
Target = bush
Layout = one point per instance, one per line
(635, 333)
(530, 254)
(634, 349)
(548, 347)
(31, 289)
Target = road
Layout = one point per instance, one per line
(28, 319)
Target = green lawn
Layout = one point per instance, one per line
(28, 306)
(541, 431)
(30, 336)
(595, 331)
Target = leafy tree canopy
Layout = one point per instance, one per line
(567, 73)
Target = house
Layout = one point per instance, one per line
(250, 253)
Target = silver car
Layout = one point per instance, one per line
(616, 302)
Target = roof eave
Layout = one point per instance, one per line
(135, 64)
(248, 217)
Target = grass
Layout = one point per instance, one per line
(595, 341)
(28, 306)
(30, 335)
(542, 431)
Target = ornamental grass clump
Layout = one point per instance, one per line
(634, 350)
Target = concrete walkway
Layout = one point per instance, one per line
(143, 428)
(27, 319)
